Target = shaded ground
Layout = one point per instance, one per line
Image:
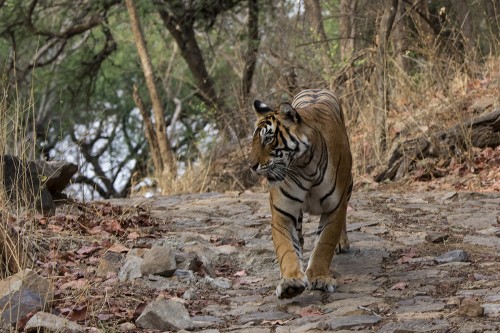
(389, 280)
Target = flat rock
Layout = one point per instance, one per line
(490, 241)
(165, 315)
(43, 321)
(159, 260)
(259, 317)
(347, 322)
(491, 310)
(416, 326)
(452, 256)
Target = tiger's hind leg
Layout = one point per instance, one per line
(343, 245)
(331, 227)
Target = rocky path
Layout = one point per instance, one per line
(419, 262)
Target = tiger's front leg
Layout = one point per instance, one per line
(331, 228)
(288, 252)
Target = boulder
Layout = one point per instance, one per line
(36, 184)
(160, 260)
(23, 293)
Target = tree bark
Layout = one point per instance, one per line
(252, 48)
(481, 132)
(315, 18)
(149, 131)
(169, 167)
(347, 28)
(381, 75)
(465, 24)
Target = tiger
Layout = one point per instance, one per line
(302, 148)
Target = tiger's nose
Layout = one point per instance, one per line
(254, 166)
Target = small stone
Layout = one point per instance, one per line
(470, 308)
(131, 269)
(165, 315)
(110, 262)
(491, 310)
(127, 327)
(436, 237)
(452, 256)
(43, 321)
(160, 260)
(346, 322)
(219, 282)
(189, 295)
(226, 249)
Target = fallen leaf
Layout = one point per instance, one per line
(118, 248)
(86, 250)
(74, 284)
(78, 313)
(242, 281)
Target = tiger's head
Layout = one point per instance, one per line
(279, 139)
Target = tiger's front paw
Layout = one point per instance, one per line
(324, 283)
(291, 287)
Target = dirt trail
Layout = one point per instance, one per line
(389, 281)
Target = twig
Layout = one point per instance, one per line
(369, 310)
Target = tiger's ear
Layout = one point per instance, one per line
(289, 113)
(261, 108)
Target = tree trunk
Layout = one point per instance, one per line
(481, 132)
(168, 167)
(252, 48)
(315, 19)
(149, 131)
(381, 75)
(400, 36)
(347, 29)
(465, 24)
(182, 30)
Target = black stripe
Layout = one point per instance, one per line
(284, 234)
(334, 184)
(324, 159)
(285, 143)
(290, 216)
(296, 181)
(289, 196)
